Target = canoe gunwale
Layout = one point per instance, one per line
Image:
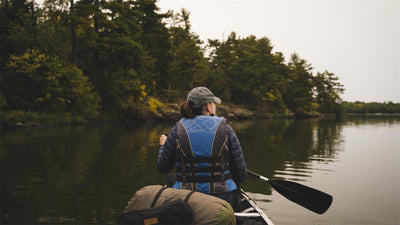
(252, 210)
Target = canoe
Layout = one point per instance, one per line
(248, 212)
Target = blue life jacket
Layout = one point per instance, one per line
(202, 162)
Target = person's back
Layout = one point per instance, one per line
(206, 151)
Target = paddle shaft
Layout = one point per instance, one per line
(257, 175)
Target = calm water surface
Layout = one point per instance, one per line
(85, 175)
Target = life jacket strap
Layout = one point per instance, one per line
(207, 169)
(213, 159)
(205, 179)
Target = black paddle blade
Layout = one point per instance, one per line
(310, 198)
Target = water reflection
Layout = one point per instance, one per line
(286, 149)
(354, 159)
(74, 175)
(85, 175)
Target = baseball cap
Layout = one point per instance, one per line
(201, 96)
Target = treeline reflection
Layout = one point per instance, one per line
(79, 175)
(285, 149)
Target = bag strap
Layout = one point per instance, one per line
(188, 196)
(161, 191)
(157, 196)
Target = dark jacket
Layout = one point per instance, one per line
(167, 155)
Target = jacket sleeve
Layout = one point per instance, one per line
(167, 153)
(236, 157)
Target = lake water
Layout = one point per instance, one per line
(86, 175)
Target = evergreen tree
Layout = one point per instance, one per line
(249, 71)
(111, 52)
(155, 40)
(298, 92)
(328, 91)
(221, 61)
(188, 67)
(54, 37)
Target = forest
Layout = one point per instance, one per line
(123, 58)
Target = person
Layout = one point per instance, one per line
(204, 148)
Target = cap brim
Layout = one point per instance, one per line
(217, 100)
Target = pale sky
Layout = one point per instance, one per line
(358, 40)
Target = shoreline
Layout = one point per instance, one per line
(169, 113)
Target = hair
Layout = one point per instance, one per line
(188, 110)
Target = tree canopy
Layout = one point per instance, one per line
(114, 56)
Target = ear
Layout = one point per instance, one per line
(209, 107)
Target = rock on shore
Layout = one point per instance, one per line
(171, 112)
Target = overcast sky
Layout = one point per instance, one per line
(358, 40)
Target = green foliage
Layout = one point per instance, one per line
(248, 72)
(79, 92)
(3, 101)
(327, 91)
(188, 67)
(33, 82)
(154, 105)
(111, 52)
(18, 20)
(37, 82)
(155, 39)
(117, 56)
(54, 35)
(298, 89)
(371, 107)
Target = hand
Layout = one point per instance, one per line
(163, 138)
